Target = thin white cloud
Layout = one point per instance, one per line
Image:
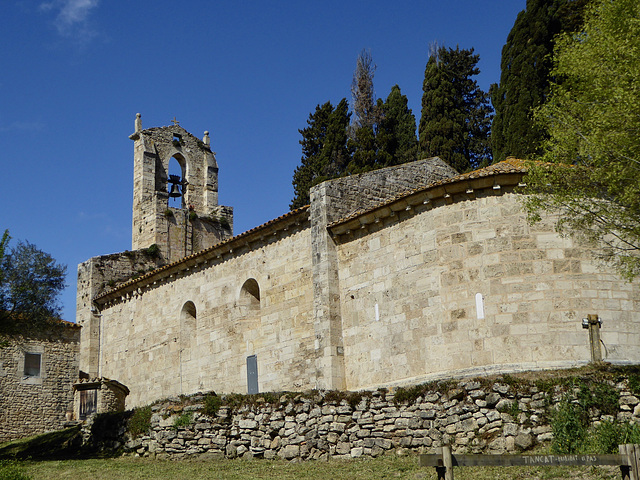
(72, 17)
(22, 126)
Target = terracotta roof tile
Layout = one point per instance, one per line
(229, 242)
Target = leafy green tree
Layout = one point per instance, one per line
(31, 282)
(525, 74)
(3, 246)
(324, 150)
(456, 115)
(593, 149)
(396, 136)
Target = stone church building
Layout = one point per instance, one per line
(397, 276)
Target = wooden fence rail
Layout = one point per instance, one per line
(628, 459)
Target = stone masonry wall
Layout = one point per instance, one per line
(344, 196)
(95, 276)
(31, 405)
(194, 332)
(411, 285)
(473, 416)
(333, 200)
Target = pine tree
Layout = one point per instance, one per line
(525, 74)
(324, 149)
(456, 116)
(396, 136)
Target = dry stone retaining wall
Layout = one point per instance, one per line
(471, 417)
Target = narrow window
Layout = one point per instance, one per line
(187, 331)
(250, 294)
(32, 364)
(252, 375)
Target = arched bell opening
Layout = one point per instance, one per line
(176, 183)
(187, 330)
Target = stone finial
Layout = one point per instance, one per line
(206, 140)
(138, 127)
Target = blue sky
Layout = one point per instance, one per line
(75, 73)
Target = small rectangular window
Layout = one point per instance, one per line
(32, 364)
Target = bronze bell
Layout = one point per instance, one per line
(174, 180)
(175, 191)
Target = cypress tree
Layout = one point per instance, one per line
(456, 115)
(525, 74)
(324, 149)
(396, 136)
(364, 124)
(362, 93)
(363, 144)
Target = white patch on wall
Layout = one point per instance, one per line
(377, 313)
(479, 306)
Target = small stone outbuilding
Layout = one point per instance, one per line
(98, 395)
(37, 370)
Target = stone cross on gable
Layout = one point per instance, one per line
(175, 122)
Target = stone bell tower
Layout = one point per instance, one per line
(194, 221)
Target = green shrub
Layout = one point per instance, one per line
(605, 437)
(634, 384)
(140, 421)
(212, 404)
(354, 398)
(183, 420)
(599, 395)
(10, 470)
(569, 424)
(224, 223)
(153, 251)
(512, 408)
(410, 394)
(606, 398)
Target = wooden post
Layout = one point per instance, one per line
(594, 338)
(630, 452)
(624, 469)
(448, 462)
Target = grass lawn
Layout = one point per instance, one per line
(388, 467)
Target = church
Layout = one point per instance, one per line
(398, 276)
